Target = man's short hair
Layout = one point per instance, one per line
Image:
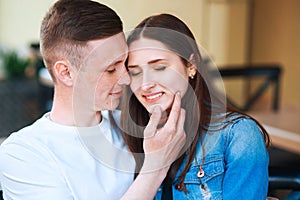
(70, 24)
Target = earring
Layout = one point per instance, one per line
(191, 72)
(192, 76)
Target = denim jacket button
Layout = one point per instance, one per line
(200, 173)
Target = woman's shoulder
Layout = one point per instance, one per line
(231, 122)
(244, 136)
(231, 128)
(239, 124)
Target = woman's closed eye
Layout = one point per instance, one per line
(159, 66)
(134, 72)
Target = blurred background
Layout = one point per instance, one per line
(233, 32)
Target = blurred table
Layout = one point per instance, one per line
(45, 78)
(283, 127)
(46, 89)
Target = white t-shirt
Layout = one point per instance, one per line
(50, 161)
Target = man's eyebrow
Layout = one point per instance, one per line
(116, 62)
(150, 62)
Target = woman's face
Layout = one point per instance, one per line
(156, 73)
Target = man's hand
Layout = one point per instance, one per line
(162, 146)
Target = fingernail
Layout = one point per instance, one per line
(178, 94)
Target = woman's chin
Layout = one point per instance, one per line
(163, 107)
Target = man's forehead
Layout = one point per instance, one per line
(107, 50)
(118, 40)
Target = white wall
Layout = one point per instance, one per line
(20, 21)
(219, 26)
(276, 40)
(211, 22)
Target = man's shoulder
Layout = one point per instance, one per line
(28, 137)
(26, 130)
(16, 136)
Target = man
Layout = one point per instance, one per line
(76, 150)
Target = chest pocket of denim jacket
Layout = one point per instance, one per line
(210, 185)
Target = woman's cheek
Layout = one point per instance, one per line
(134, 85)
(175, 84)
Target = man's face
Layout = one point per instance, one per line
(102, 76)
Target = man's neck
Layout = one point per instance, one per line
(64, 113)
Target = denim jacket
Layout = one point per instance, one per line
(235, 165)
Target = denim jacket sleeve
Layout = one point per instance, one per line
(246, 162)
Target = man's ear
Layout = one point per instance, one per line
(63, 72)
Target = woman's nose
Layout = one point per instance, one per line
(148, 81)
(147, 86)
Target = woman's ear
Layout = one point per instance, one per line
(191, 68)
(64, 73)
(192, 60)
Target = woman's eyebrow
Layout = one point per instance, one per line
(132, 66)
(155, 61)
(149, 63)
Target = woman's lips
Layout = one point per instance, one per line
(153, 97)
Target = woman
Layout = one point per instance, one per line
(225, 155)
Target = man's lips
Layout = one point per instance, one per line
(116, 94)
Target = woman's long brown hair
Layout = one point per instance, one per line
(203, 103)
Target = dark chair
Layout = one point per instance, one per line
(270, 74)
(284, 171)
(284, 168)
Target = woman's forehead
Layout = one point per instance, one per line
(145, 43)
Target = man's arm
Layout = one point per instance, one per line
(161, 150)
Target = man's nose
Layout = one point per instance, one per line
(124, 78)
